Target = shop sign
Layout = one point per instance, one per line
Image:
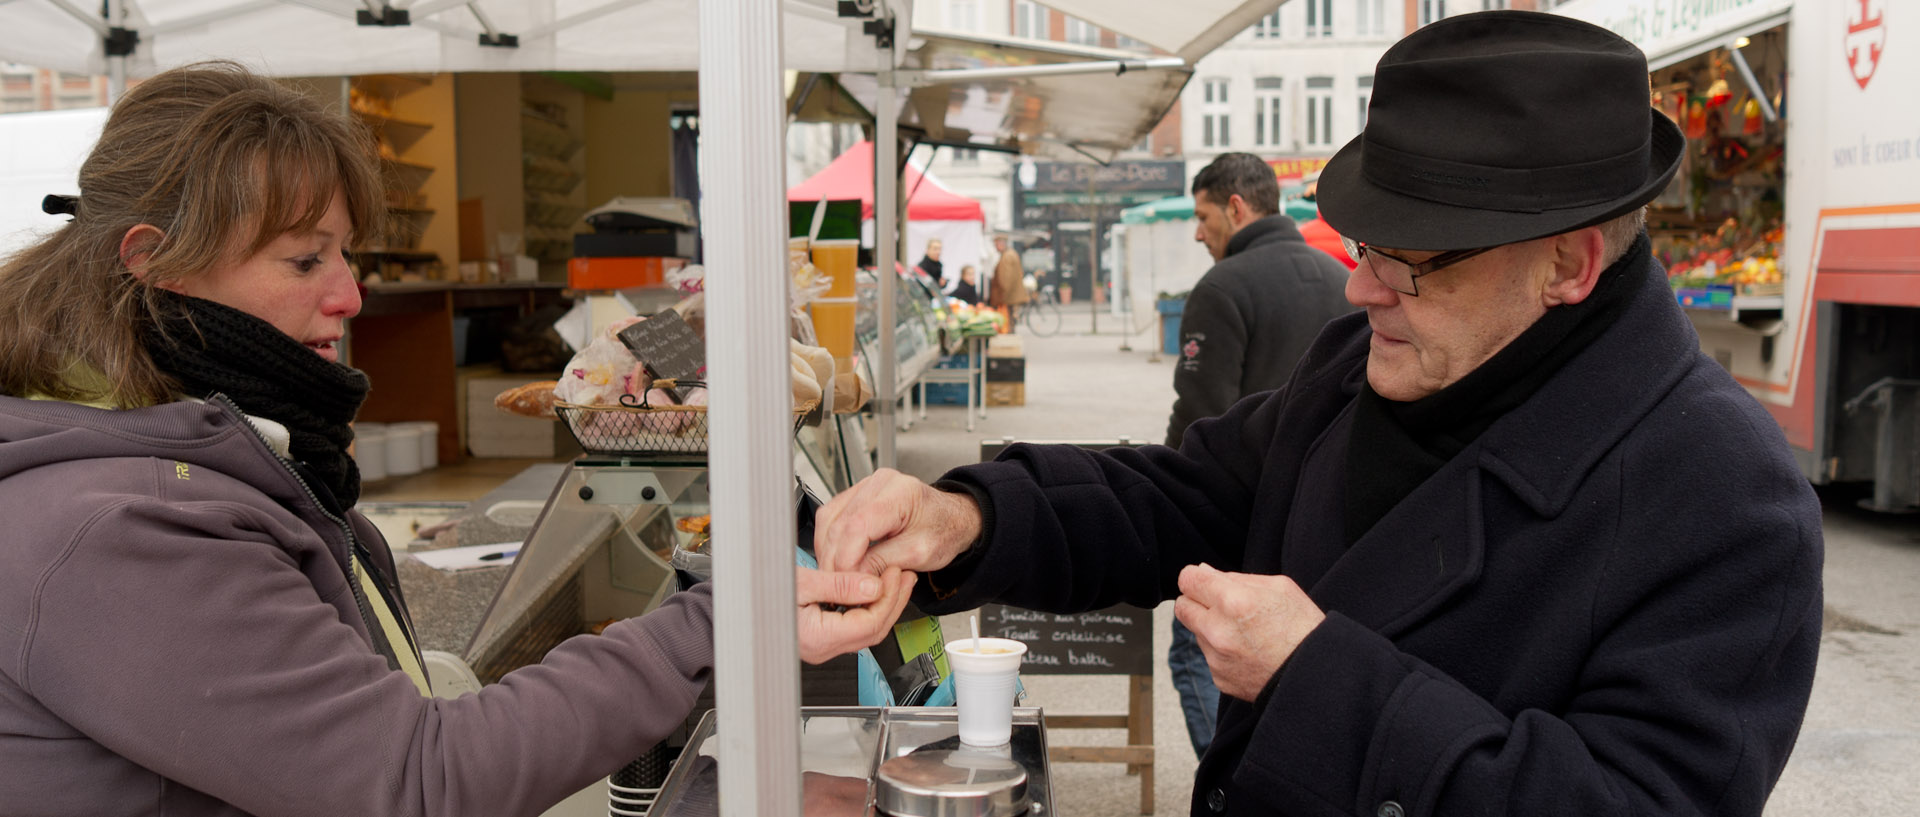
(1082, 176)
(1661, 27)
(1865, 39)
(1288, 170)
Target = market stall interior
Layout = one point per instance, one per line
(1718, 227)
(616, 515)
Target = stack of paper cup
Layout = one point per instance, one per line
(429, 444)
(984, 682)
(403, 449)
(370, 450)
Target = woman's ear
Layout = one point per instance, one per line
(139, 245)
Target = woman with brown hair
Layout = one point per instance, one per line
(193, 618)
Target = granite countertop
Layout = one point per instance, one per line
(447, 607)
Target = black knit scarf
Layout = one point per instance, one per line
(1395, 446)
(213, 348)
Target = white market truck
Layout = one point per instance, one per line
(1833, 349)
(40, 153)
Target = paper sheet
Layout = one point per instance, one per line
(471, 557)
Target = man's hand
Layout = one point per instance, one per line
(1247, 625)
(875, 604)
(891, 520)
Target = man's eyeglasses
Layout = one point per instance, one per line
(1401, 275)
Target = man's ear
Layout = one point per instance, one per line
(138, 245)
(1577, 259)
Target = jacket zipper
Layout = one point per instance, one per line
(367, 617)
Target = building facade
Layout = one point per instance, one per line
(25, 89)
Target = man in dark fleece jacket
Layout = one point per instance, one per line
(1252, 316)
(1245, 327)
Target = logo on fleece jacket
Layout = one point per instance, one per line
(1190, 352)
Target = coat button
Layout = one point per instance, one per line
(1390, 809)
(1217, 800)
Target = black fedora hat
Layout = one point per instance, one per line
(1497, 127)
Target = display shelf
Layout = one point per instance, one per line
(409, 175)
(401, 133)
(402, 255)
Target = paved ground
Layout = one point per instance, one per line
(1859, 750)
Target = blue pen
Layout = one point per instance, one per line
(494, 557)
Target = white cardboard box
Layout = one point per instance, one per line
(491, 432)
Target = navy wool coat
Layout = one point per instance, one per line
(1608, 604)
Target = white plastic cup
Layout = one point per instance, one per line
(429, 444)
(984, 684)
(403, 449)
(370, 452)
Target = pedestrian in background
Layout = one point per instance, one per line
(967, 289)
(1244, 327)
(930, 264)
(1009, 286)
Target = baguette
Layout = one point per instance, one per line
(531, 400)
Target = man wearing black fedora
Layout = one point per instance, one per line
(1506, 542)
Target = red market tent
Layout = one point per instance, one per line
(1322, 237)
(851, 177)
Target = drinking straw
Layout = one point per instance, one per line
(976, 633)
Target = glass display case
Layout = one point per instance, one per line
(916, 331)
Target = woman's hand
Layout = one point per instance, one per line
(872, 605)
(891, 520)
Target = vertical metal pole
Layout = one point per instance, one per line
(742, 167)
(116, 66)
(886, 201)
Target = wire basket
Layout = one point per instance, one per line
(636, 428)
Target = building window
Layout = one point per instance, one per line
(1267, 27)
(1319, 18)
(1370, 17)
(1320, 112)
(1213, 115)
(1493, 5)
(1126, 43)
(963, 15)
(1431, 10)
(966, 157)
(1029, 20)
(1366, 95)
(1082, 32)
(1268, 98)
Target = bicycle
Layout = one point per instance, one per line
(1041, 314)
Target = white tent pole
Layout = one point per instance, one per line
(742, 167)
(98, 25)
(116, 66)
(886, 184)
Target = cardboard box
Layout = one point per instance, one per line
(490, 432)
(1006, 370)
(619, 273)
(1006, 394)
(1005, 346)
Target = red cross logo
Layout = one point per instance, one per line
(1865, 39)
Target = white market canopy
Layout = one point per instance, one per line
(337, 37)
(334, 37)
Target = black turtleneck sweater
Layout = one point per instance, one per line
(1395, 446)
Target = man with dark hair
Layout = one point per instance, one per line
(1244, 327)
(1506, 542)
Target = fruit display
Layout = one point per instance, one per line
(1731, 256)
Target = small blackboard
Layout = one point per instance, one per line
(668, 346)
(1114, 641)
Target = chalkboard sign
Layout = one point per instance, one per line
(1114, 641)
(668, 346)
